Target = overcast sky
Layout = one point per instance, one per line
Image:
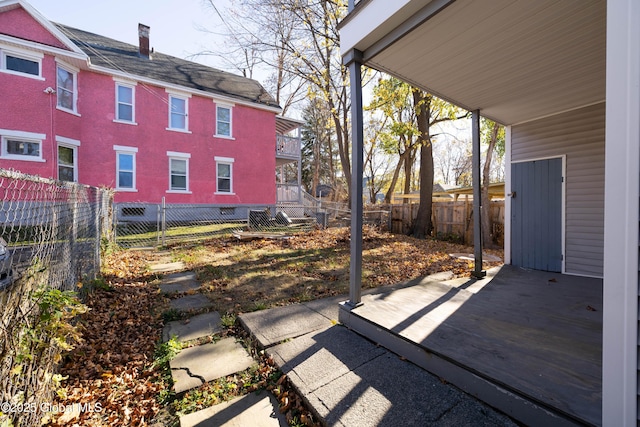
(174, 23)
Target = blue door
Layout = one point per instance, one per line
(536, 214)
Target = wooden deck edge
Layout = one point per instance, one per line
(496, 395)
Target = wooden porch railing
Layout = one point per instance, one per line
(288, 146)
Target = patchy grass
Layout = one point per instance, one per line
(242, 276)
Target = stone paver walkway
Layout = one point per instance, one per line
(191, 303)
(346, 379)
(179, 283)
(193, 328)
(167, 267)
(255, 410)
(194, 366)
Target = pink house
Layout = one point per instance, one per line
(81, 107)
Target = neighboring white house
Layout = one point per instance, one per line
(564, 77)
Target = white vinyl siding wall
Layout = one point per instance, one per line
(579, 135)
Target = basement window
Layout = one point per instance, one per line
(131, 211)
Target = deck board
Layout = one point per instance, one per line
(537, 333)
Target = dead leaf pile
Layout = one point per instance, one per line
(113, 369)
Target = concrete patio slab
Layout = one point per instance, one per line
(195, 366)
(193, 328)
(190, 302)
(350, 381)
(179, 283)
(256, 410)
(318, 358)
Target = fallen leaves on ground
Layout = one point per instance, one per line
(112, 372)
(244, 276)
(114, 366)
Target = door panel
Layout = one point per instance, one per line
(536, 215)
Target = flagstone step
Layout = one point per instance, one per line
(195, 366)
(179, 283)
(191, 302)
(193, 328)
(255, 409)
(167, 267)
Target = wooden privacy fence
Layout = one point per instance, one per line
(451, 220)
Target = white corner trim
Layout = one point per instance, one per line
(622, 168)
(507, 197)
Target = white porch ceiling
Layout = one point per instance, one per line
(515, 60)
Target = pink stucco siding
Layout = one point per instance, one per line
(18, 23)
(26, 107)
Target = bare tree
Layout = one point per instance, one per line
(258, 34)
(452, 160)
(317, 142)
(299, 39)
(494, 136)
(376, 165)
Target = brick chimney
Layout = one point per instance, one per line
(143, 38)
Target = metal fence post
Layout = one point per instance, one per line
(97, 214)
(164, 221)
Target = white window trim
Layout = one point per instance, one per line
(73, 144)
(122, 149)
(185, 97)
(132, 86)
(67, 141)
(174, 155)
(23, 136)
(227, 161)
(23, 54)
(75, 71)
(125, 148)
(230, 108)
(75, 160)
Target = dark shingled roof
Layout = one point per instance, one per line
(123, 57)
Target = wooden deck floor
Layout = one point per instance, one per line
(534, 335)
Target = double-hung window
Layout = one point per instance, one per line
(178, 113)
(223, 121)
(67, 88)
(27, 64)
(224, 173)
(125, 102)
(125, 168)
(178, 171)
(67, 159)
(18, 145)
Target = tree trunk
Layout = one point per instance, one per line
(394, 179)
(408, 170)
(487, 235)
(422, 227)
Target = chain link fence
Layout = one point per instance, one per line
(151, 225)
(50, 237)
(339, 215)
